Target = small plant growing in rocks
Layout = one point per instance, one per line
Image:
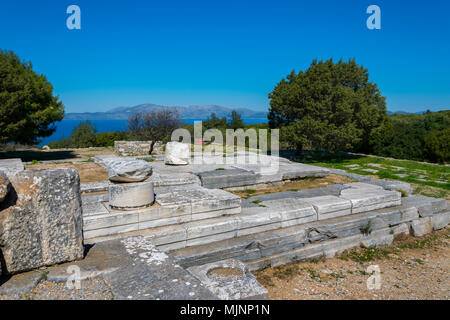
(367, 229)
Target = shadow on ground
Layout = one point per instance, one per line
(30, 155)
(318, 156)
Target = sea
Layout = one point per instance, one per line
(64, 128)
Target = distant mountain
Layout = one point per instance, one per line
(405, 112)
(186, 112)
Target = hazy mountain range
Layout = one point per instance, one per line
(186, 112)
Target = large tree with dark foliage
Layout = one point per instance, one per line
(330, 106)
(28, 108)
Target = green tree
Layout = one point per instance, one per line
(236, 120)
(437, 145)
(84, 135)
(213, 122)
(398, 139)
(28, 108)
(330, 106)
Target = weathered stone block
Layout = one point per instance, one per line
(132, 148)
(422, 226)
(227, 178)
(441, 220)
(329, 206)
(426, 206)
(177, 153)
(402, 228)
(378, 238)
(363, 200)
(42, 225)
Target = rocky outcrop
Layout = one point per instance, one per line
(129, 170)
(177, 153)
(41, 220)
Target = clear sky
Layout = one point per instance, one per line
(229, 53)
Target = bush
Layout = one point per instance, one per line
(414, 136)
(437, 145)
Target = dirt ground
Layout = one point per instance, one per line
(298, 184)
(411, 268)
(88, 171)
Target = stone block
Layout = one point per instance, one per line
(426, 206)
(208, 227)
(378, 238)
(132, 148)
(402, 228)
(219, 179)
(89, 187)
(110, 231)
(441, 220)
(422, 226)
(369, 199)
(329, 206)
(42, 224)
(108, 220)
(94, 208)
(177, 153)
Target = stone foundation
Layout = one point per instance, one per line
(137, 148)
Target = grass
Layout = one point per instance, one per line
(430, 179)
(367, 254)
(150, 159)
(367, 229)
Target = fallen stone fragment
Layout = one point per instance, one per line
(177, 153)
(129, 170)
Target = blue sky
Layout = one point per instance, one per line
(230, 53)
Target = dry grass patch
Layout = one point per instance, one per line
(88, 171)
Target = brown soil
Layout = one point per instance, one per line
(412, 268)
(88, 171)
(295, 185)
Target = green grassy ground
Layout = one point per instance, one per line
(427, 179)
